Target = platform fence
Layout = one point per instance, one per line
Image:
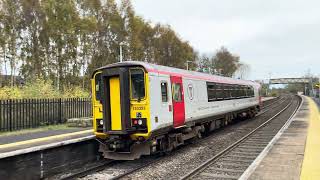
(16, 114)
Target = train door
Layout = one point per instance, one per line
(115, 104)
(177, 101)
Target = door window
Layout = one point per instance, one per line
(164, 92)
(190, 91)
(176, 92)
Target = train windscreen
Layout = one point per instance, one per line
(137, 83)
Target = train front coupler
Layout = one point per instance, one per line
(123, 148)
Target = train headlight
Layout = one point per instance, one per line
(140, 122)
(101, 122)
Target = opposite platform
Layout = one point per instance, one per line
(294, 153)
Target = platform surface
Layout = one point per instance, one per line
(267, 98)
(22, 143)
(296, 153)
(317, 100)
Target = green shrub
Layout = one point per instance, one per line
(75, 92)
(10, 93)
(40, 88)
(274, 94)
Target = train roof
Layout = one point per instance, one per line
(154, 68)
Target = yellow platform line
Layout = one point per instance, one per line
(19, 143)
(311, 162)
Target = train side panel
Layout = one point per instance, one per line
(198, 107)
(161, 102)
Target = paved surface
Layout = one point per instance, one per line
(311, 167)
(42, 140)
(6, 139)
(317, 100)
(292, 157)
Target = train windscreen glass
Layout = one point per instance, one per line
(137, 84)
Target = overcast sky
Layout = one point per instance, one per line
(272, 36)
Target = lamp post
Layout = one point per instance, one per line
(319, 86)
(121, 44)
(188, 64)
(268, 89)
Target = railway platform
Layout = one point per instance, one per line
(294, 153)
(12, 145)
(43, 154)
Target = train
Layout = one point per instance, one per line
(141, 108)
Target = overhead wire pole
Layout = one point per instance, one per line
(188, 64)
(120, 58)
(319, 87)
(268, 88)
(312, 89)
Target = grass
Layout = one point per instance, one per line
(38, 129)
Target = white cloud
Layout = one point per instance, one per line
(281, 37)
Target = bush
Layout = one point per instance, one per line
(75, 92)
(10, 93)
(274, 94)
(39, 89)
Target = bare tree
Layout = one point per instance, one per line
(243, 71)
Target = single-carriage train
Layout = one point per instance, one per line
(141, 108)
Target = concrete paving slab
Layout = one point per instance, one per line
(285, 158)
(6, 139)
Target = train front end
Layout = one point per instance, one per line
(121, 111)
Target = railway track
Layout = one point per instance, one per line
(235, 159)
(129, 167)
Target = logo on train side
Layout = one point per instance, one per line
(190, 91)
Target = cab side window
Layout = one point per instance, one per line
(97, 81)
(164, 92)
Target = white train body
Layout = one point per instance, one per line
(195, 92)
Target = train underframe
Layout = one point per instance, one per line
(122, 147)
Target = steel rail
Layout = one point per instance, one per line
(200, 168)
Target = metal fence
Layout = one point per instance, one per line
(30, 113)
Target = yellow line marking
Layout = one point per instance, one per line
(310, 167)
(44, 139)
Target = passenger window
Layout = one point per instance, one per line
(190, 91)
(176, 92)
(164, 92)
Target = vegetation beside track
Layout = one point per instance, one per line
(39, 88)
